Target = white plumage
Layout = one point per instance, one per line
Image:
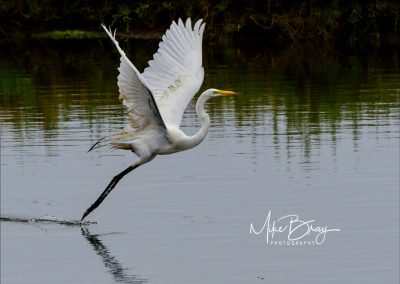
(176, 73)
(157, 98)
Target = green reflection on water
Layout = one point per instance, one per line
(295, 94)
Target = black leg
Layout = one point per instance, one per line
(108, 189)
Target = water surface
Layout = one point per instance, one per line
(311, 135)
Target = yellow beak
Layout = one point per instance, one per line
(226, 93)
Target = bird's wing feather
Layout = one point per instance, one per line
(136, 94)
(175, 73)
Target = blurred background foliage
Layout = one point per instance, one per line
(278, 22)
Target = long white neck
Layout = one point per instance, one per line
(204, 121)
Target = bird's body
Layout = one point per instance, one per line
(157, 98)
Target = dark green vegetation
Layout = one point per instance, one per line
(276, 23)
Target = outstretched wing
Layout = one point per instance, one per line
(135, 94)
(175, 74)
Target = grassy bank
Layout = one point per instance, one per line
(279, 23)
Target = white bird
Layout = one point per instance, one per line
(157, 98)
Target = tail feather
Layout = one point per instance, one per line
(119, 140)
(97, 144)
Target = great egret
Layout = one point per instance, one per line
(157, 98)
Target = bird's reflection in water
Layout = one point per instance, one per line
(119, 273)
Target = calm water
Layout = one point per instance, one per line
(313, 136)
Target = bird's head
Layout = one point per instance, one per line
(211, 93)
(217, 93)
